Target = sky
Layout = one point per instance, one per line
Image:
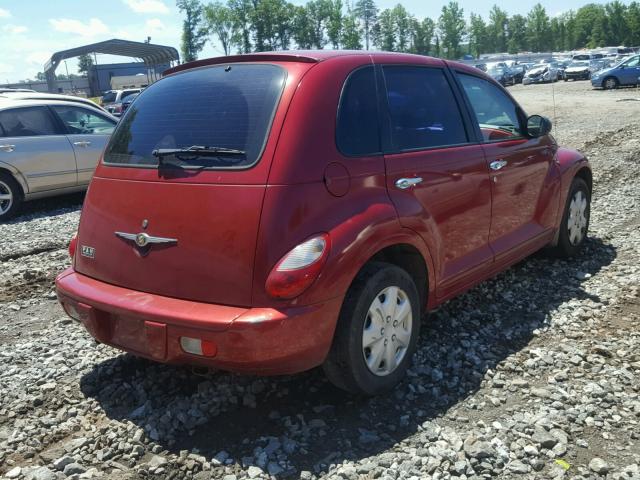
(31, 30)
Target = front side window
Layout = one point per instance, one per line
(27, 122)
(357, 131)
(632, 62)
(422, 108)
(82, 121)
(214, 117)
(495, 112)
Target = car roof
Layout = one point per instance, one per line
(302, 56)
(6, 102)
(48, 96)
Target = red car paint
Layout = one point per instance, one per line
(463, 223)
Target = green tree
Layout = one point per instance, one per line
(367, 12)
(194, 35)
(219, 21)
(271, 21)
(334, 22)
(403, 24)
(633, 21)
(538, 29)
(421, 32)
(477, 35)
(302, 28)
(85, 62)
(618, 28)
(384, 31)
(517, 28)
(319, 11)
(497, 29)
(241, 15)
(452, 26)
(351, 36)
(590, 26)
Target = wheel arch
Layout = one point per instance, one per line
(408, 251)
(585, 174)
(16, 175)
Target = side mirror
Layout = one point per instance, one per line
(538, 126)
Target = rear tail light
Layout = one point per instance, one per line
(197, 346)
(299, 268)
(73, 245)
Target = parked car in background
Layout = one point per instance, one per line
(113, 97)
(12, 90)
(118, 109)
(48, 147)
(269, 213)
(541, 73)
(623, 74)
(578, 70)
(503, 75)
(518, 70)
(30, 95)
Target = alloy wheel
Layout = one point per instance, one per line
(6, 198)
(577, 221)
(610, 83)
(387, 331)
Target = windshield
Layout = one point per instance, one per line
(224, 107)
(496, 70)
(579, 64)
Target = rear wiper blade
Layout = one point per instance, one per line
(197, 150)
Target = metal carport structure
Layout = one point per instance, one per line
(151, 54)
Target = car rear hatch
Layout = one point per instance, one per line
(175, 205)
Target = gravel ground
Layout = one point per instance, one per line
(533, 374)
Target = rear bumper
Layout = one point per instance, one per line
(264, 341)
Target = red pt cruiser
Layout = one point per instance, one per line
(269, 213)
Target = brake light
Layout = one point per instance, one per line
(73, 244)
(298, 269)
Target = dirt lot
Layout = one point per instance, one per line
(534, 374)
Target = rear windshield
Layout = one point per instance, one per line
(225, 106)
(109, 97)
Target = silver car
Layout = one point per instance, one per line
(48, 147)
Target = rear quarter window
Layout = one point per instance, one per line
(357, 130)
(228, 106)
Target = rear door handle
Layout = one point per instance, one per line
(7, 148)
(497, 164)
(404, 183)
(83, 143)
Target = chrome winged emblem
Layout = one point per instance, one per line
(144, 241)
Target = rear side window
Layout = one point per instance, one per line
(422, 108)
(495, 112)
(226, 106)
(357, 130)
(27, 122)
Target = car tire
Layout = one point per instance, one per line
(610, 83)
(359, 360)
(575, 220)
(11, 196)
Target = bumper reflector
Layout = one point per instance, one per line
(196, 346)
